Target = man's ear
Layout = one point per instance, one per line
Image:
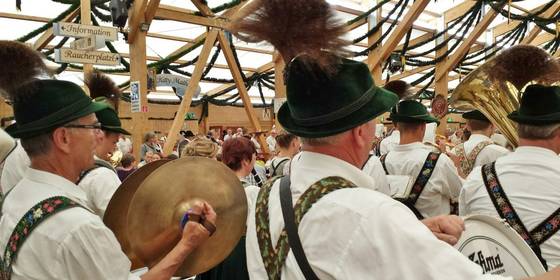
(61, 138)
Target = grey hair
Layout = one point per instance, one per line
(38, 145)
(328, 140)
(537, 132)
(149, 136)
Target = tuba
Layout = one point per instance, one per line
(495, 88)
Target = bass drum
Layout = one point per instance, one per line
(497, 248)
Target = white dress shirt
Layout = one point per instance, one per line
(530, 177)
(15, 166)
(444, 184)
(72, 244)
(489, 154)
(271, 141)
(357, 233)
(99, 185)
(389, 142)
(375, 170)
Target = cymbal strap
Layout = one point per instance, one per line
(209, 226)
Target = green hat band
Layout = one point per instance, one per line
(338, 114)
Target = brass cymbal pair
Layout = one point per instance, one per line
(146, 211)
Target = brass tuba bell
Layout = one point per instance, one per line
(496, 86)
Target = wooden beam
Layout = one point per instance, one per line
(151, 11)
(85, 18)
(426, 36)
(536, 30)
(138, 72)
(191, 88)
(411, 72)
(542, 39)
(441, 86)
(383, 53)
(202, 7)
(458, 10)
(463, 49)
(507, 26)
(279, 83)
(48, 34)
(186, 16)
(24, 17)
(136, 17)
(236, 73)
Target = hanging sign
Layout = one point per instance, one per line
(67, 55)
(90, 43)
(179, 83)
(135, 104)
(68, 29)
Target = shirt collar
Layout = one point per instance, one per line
(411, 146)
(58, 183)
(309, 167)
(534, 150)
(479, 137)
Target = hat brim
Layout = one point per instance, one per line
(115, 129)
(381, 102)
(29, 131)
(535, 120)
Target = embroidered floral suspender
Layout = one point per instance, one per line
(39, 213)
(274, 257)
(533, 238)
(467, 161)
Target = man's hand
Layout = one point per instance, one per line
(195, 233)
(447, 228)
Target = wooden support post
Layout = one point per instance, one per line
(441, 86)
(85, 18)
(191, 88)
(47, 36)
(412, 14)
(236, 73)
(467, 43)
(135, 18)
(372, 21)
(279, 83)
(138, 72)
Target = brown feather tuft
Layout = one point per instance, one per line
(293, 27)
(522, 64)
(101, 85)
(401, 88)
(23, 65)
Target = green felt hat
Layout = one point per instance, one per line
(320, 105)
(109, 118)
(475, 115)
(411, 111)
(50, 104)
(540, 105)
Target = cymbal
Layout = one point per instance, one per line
(115, 214)
(157, 207)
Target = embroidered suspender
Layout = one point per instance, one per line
(467, 162)
(35, 216)
(274, 257)
(533, 238)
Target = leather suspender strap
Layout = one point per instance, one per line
(382, 159)
(292, 229)
(505, 209)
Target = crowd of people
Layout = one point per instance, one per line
(328, 203)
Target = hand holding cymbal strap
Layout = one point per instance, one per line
(197, 218)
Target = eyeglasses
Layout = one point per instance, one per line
(86, 126)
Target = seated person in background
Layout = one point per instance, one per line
(128, 165)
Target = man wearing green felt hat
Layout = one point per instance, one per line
(100, 181)
(434, 178)
(46, 221)
(525, 181)
(337, 227)
(479, 149)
